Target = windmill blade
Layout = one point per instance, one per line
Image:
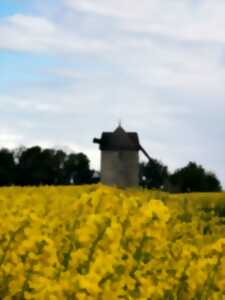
(145, 153)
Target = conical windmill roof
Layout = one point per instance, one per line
(119, 139)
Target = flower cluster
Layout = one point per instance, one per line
(100, 243)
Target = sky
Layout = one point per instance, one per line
(71, 69)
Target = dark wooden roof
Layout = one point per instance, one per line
(118, 140)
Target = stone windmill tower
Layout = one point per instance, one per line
(120, 157)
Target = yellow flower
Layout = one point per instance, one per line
(96, 242)
(219, 246)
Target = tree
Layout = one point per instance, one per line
(47, 169)
(194, 178)
(36, 166)
(153, 174)
(212, 183)
(59, 167)
(7, 168)
(77, 169)
(29, 167)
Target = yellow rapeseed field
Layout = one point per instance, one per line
(102, 243)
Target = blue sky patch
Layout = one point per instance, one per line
(11, 7)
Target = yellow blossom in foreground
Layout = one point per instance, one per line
(100, 243)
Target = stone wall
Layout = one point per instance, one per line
(120, 168)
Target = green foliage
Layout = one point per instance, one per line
(37, 166)
(7, 167)
(153, 174)
(193, 178)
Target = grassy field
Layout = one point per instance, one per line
(96, 242)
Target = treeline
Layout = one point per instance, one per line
(37, 166)
(191, 178)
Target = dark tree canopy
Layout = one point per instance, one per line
(37, 166)
(193, 178)
(77, 169)
(7, 167)
(153, 174)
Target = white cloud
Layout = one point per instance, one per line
(39, 35)
(31, 24)
(185, 20)
(28, 102)
(66, 73)
(116, 8)
(9, 139)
